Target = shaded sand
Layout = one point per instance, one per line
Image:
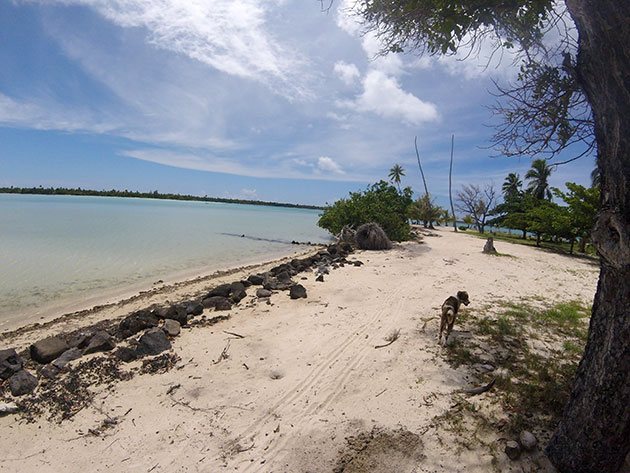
(305, 390)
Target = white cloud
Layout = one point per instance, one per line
(249, 193)
(231, 36)
(348, 73)
(384, 96)
(326, 164)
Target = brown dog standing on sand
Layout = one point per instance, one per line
(449, 313)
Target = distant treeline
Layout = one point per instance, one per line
(143, 195)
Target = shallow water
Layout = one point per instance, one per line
(63, 248)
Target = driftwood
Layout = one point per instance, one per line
(391, 338)
(480, 389)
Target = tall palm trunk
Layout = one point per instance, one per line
(424, 181)
(594, 433)
(450, 193)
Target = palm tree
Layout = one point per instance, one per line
(512, 186)
(395, 173)
(538, 177)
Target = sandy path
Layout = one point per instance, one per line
(306, 374)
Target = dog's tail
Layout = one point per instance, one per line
(449, 313)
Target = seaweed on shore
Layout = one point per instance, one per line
(65, 396)
(159, 364)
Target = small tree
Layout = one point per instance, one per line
(425, 211)
(583, 207)
(380, 203)
(477, 203)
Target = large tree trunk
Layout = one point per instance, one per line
(594, 433)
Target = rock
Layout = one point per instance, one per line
(488, 248)
(137, 322)
(175, 312)
(223, 290)
(172, 327)
(297, 291)
(101, 341)
(245, 283)
(10, 363)
(22, 383)
(153, 342)
(49, 371)
(80, 339)
(357, 263)
(528, 440)
(217, 302)
(8, 408)
(512, 450)
(66, 357)
(320, 278)
(46, 350)
(126, 354)
(262, 292)
(283, 276)
(237, 292)
(194, 308)
(273, 284)
(256, 279)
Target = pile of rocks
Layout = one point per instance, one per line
(148, 332)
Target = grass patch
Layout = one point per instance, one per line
(565, 313)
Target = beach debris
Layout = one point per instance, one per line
(217, 303)
(137, 322)
(320, 278)
(66, 357)
(234, 334)
(347, 235)
(46, 350)
(153, 342)
(8, 408)
(370, 236)
(49, 371)
(297, 291)
(261, 292)
(172, 327)
(276, 374)
(391, 338)
(274, 284)
(256, 279)
(159, 364)
(101, 341)
(489, 248)
(224, 354)
(527, 440)
(10, 363)
(479, 390)
(512, 449)
(22, 382)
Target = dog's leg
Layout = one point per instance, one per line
(442, 327)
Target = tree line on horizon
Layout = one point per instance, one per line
(145, 195)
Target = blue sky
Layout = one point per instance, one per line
(271, 100)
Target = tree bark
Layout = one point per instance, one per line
(594, 433)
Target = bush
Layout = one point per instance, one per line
(380, 203)
(370, 236)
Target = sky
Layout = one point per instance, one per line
(260, 99)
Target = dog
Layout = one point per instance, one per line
(449, 313)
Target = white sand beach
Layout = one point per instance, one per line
(300, 386)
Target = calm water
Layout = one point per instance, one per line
(63, 248)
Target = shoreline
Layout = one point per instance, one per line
(117, 299)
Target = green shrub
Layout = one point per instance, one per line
(380, 203)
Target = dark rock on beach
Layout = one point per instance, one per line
(297, 291)
(223, 290)
(237, 292)
(49, 371)
(153, 342)
(22, 383)
(126, 354)
(177, 312)
(194, 308)
(256, 279)
(67, 356)
(217, 302)
(137, 322)
(46, 350)
(320, 278)
(10, 363)
(101, 341)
